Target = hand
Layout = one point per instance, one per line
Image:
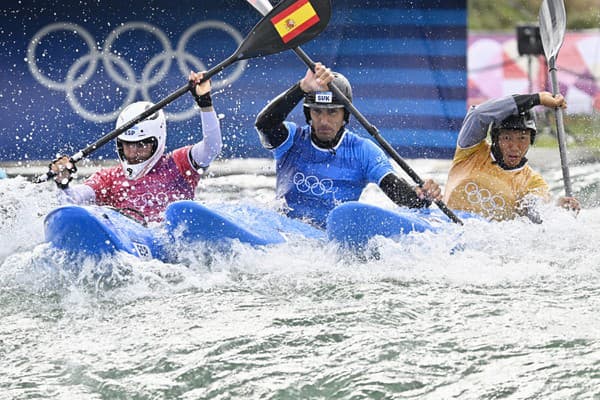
(548, 100)
(570, 203)
(429, 190)
(317, 80)
(63, 169)
(199, 88)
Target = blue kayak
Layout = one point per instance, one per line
(353, 224)
(190, 221)
(96, 231)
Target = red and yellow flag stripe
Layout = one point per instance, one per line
(295, 19)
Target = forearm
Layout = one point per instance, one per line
(77, 194)
(204, 152)
(269, 122)
(526, 102)
(475, 126)
(401, 193)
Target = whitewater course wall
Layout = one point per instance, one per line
(69, 67)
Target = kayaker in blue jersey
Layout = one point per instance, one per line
(494, 179)
(322, 164)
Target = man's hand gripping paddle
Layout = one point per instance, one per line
(263, 39)
(264, 7)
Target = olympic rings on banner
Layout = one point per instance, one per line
(483, 197)
(83, 69)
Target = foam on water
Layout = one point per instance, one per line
(484, 311)
(479, 253)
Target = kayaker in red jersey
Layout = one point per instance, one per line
(494, 180)
(148, 180)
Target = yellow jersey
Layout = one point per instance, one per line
(477, 184)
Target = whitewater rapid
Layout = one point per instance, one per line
(511, 312)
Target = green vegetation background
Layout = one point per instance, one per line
(505, 15)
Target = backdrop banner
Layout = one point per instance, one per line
(496, 69)
(68, 68)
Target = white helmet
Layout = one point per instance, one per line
(153, 128)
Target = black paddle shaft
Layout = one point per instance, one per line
(263, 40)
(373, 131)
(151, 110)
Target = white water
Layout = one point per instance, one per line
(514, 314)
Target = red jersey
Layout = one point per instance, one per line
(172, 178)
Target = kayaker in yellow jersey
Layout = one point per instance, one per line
(494, 179)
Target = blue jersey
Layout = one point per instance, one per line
(314, 180)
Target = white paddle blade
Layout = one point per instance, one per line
(553, 23)
(262, 6)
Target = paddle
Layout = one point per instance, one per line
(553, 23)
(264, 6)
(263, 39)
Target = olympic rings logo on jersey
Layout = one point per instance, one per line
(127, 79)
(484, 198)
(144, 200)
(313, 184)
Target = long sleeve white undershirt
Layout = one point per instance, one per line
(205, 151)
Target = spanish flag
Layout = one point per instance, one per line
(294, 20)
